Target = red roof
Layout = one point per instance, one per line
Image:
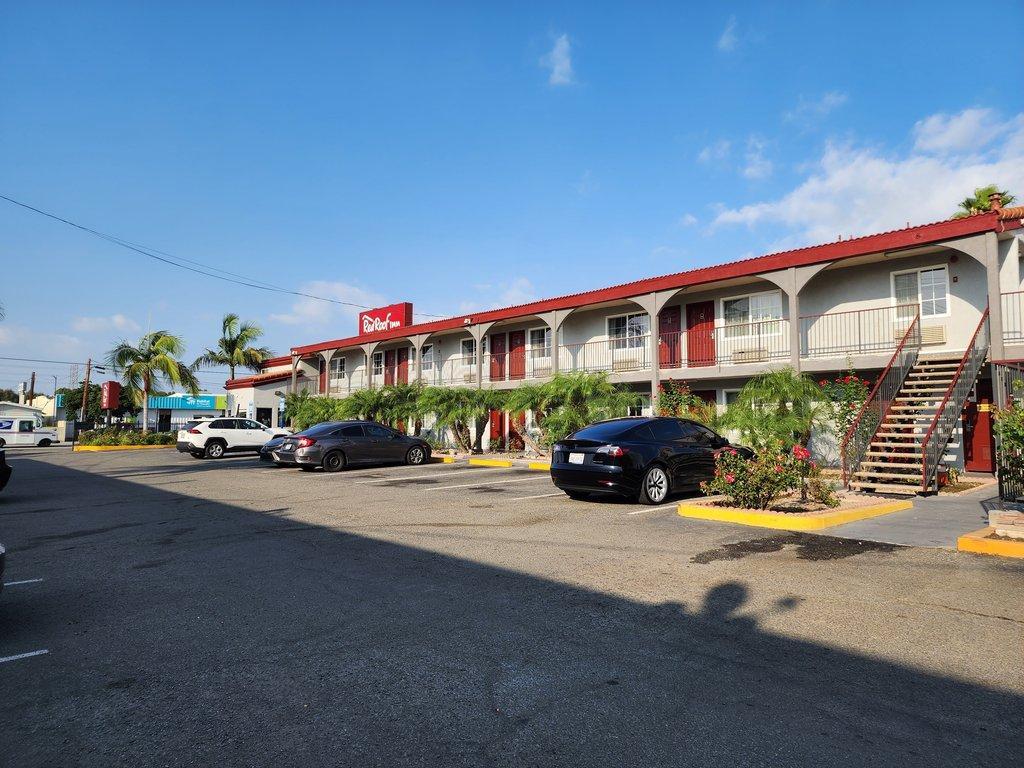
(260, 378)
(274, 362)
(843, 249)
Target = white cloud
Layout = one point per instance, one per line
(117, 322)
(586, 184)
(559, 61)
(965, 131)
(687, 220)
(315, 313)
(518, 290)
(756, 166)
(853, 189)
(31, 342)
(813, 110)
(728, 40)
(715, 152)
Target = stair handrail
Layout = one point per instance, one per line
(886, 386)
(953, 402)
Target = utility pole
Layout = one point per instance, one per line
(32, 389)
(85, 389)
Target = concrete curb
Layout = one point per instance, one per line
(788, 522)
(99, 448)
(979, 543)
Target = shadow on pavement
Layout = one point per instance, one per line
(217, 635)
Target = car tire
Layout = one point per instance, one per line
(577, 495)
(44, 443)
(214, 450)
(416, 455)
(334, 461)
(655, 487)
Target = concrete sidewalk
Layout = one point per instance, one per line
(935, 521)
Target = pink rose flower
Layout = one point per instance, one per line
(730, 478)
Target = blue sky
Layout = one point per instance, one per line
(462, 156)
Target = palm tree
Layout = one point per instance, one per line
(153, 361)
(234, 347)
(778, 406)
(461, 410)
(574, 400)
(979, 202)
(532, 398)
(402, 405)
(369, 404)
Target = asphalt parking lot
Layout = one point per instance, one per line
(167, 611)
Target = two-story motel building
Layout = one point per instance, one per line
(818, 309)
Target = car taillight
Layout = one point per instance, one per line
(305, 442)
(194, 431)
(612, 450)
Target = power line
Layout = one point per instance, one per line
(199, 268)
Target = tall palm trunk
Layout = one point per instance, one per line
(519, 423)
(145, 405)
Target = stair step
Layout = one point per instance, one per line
(904, 490)
(911, 465)
(909, 454)
(876, 475)
(923, 388)
(930, 364)
(904, 435)
(908, 398)
(907, 417)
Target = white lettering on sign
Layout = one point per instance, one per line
(374, 324)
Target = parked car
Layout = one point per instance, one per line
(5, 470)
(335, 445)
(3, 557)
(646, 458)
(213, 437)
(26, 430)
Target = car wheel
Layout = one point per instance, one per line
(214, 449)
(334, 461)
(576, 495)
(44, 443)
(416, 455)
(655, 487)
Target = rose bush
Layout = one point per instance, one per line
(760, 482)
(844, 397)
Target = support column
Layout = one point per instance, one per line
(554, 320)
(417, 344)
(794, 329)
(295, 375)
(995, 298)
(368, 350)
(327, 356)
(653, 303)
(479, 332)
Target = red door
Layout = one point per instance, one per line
(517, 355)
(668, 337)
(497, 420)
(389, 367)
(700, 334)
(498, 357)
(403, 365)
(979, 447)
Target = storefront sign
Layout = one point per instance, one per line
(193, 402)
(110, 395)
(385, 318)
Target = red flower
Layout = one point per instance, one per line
(801, 453)
(823, 383)
(730, 478)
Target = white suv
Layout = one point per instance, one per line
(212, 437)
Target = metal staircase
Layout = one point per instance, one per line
(910, 416)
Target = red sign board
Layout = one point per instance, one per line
(110, 395)
(385, 318)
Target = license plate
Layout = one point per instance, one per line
(575, 458)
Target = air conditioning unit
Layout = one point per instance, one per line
(933, 334)
(750, 355)
(626, 363)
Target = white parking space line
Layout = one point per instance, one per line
(19, 583)
(17, 656)
(538, 496)
(473, 485)
(642, 510)
(417, 477)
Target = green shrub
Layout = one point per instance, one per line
(108, 437)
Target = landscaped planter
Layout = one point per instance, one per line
(98, 448)
(789, 521)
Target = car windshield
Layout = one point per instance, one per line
(606, 430)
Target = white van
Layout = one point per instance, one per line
(25, 430)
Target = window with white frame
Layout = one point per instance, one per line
(746, 315)
(337, 370)
(925, 288)
(468, 350)
(628, 331)
(378, 363)
(427, 357)
(540, 343)
(731, 396)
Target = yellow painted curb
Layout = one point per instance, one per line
(541, 465)
(98, 448)
(979, 543)
(491, 463)
(789, 522)
(447, 459)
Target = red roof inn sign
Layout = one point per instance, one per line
(385, 318)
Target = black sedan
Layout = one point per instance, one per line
(335, 445)
(644, 458)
